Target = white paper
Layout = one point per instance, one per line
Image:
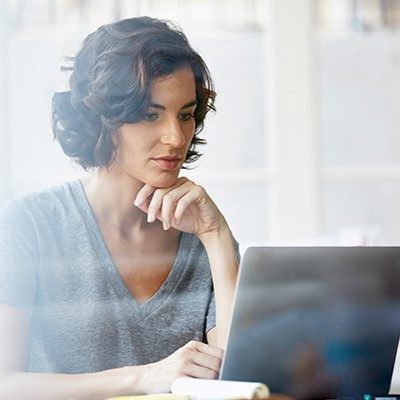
(203, 389)
(395, 384)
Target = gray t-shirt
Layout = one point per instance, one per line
(55, 266)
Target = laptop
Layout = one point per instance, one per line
(316, 322)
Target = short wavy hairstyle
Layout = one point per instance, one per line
(110, 86)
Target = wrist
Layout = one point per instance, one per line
(138, 379)
(220, 235)
(220, 249)
(131, 380)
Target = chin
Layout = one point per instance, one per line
(163, 181)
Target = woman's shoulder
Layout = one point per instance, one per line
(51, 200)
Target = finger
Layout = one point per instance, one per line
(198, 371)
(143, 194)
(196, 195)
(145, 206)
(183, 204)
(154, 209)
(207, 361)
(205, 348)
(157, 200)
(147, 191)
(170, 201)
(191, 358)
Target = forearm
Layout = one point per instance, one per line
(90, 386)
(224, 268)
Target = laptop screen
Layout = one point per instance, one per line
(316, 322)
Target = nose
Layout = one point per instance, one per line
(172, 134)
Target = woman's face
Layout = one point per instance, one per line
(153, 150)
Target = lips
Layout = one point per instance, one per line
(168, 162)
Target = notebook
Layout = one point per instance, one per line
(316, 322)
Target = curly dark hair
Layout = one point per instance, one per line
(110, 85)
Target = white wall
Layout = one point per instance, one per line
(360, 97)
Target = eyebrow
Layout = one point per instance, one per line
(187, 105)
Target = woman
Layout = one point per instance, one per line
(108, 283)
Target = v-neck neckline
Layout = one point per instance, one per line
(99, 246)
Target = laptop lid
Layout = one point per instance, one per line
(316, 322)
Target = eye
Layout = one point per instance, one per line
(149, 117)
(186, 116)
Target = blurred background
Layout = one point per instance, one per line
(305, 145)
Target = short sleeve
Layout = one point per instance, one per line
(18, 256)
(210, 317)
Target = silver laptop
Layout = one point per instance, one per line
(316, 322)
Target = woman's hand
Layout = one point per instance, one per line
(195, 359)
(184, 206)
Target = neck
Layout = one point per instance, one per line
(111, 196)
